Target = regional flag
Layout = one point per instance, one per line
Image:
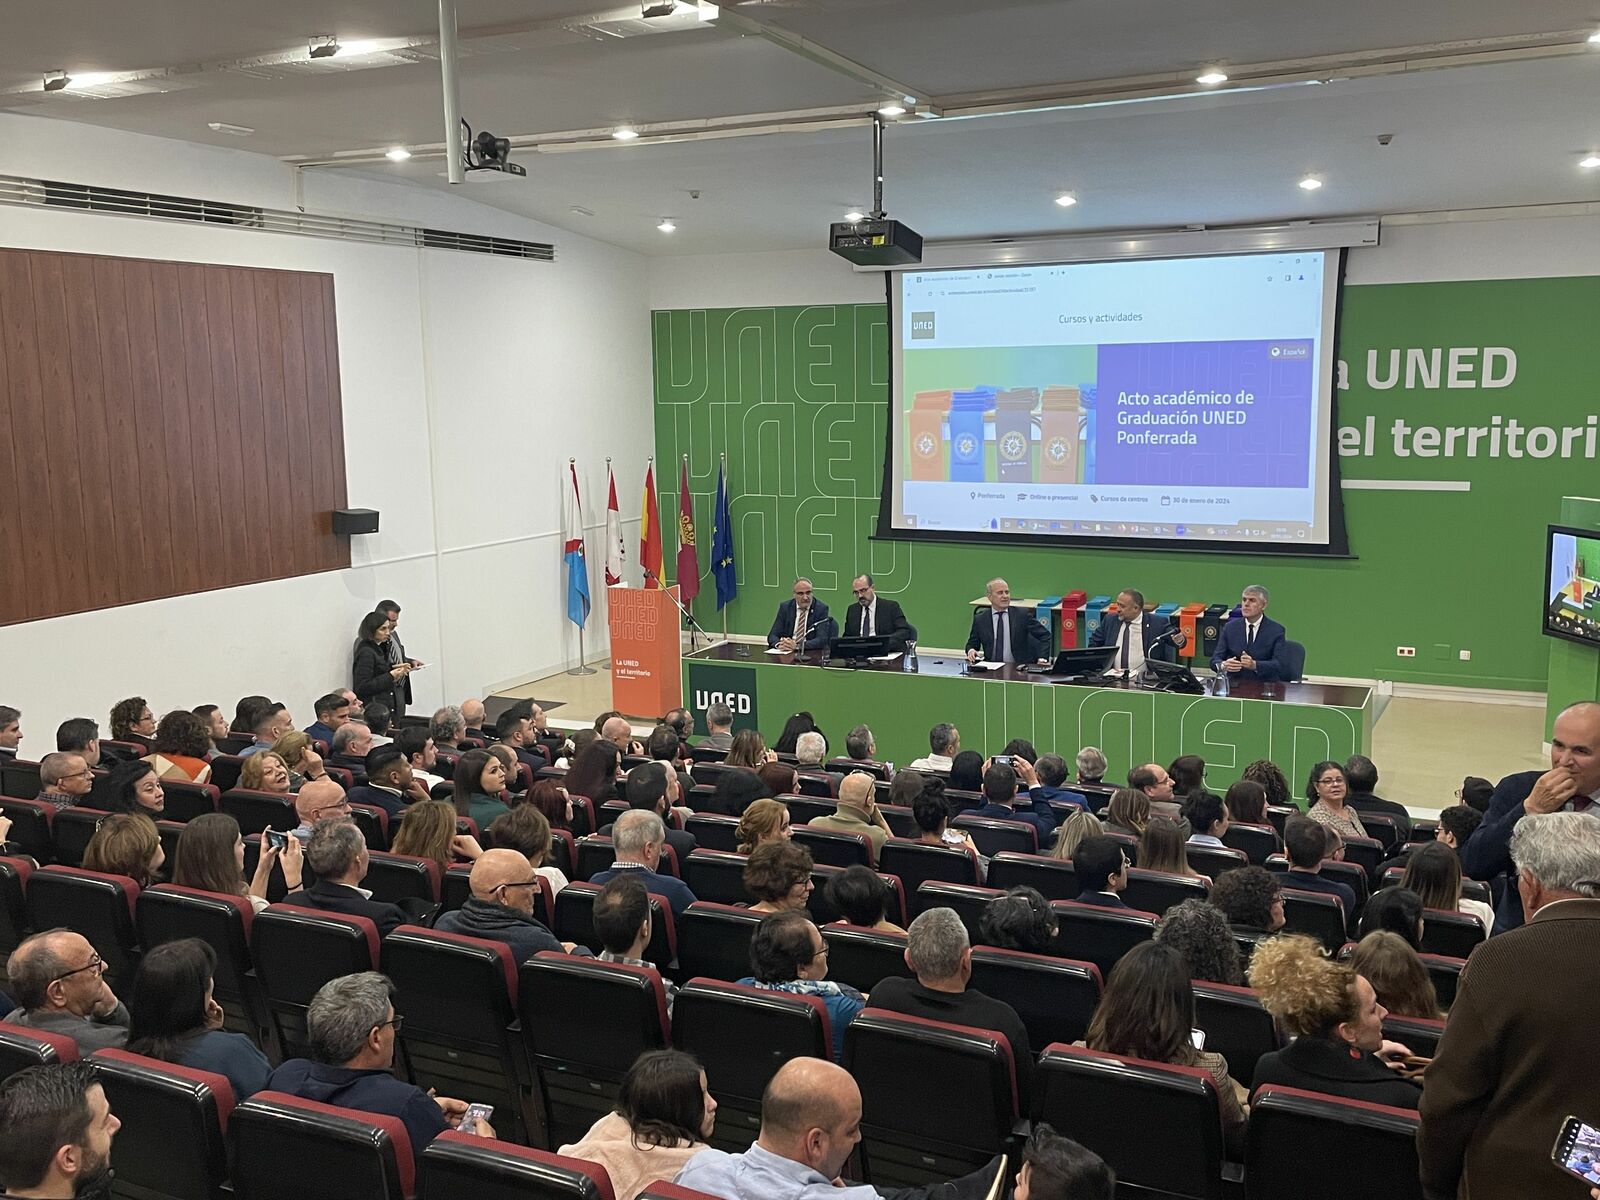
(572, 553)
(616, 550)
(688, 568)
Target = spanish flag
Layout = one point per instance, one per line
(650, 531)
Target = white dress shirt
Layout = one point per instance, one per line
(1131, 633)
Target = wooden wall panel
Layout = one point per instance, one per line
(168, 428)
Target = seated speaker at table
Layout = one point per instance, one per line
(875, 616)
(1006, 634)
(801, 623)
(1136, 634)
(1251, 646)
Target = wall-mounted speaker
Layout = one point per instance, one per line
(355, 520)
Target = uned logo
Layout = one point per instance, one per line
(739, 702)
(921, 326)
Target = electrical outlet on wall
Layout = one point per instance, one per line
(1406, 651)
(1466, 656)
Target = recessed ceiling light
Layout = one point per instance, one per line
(892, 110)
(855, 216)
(666, 225)
(1211, 77)
(346, 49)
(224, 127)
(1595, 37)
(1590, 163)
(624, 134)
(55, 81)
(580, 210)
(397, 154)
(1066, 199)
(1311, 183)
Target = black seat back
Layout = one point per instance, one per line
(71, 830)
(1235, 1024)
(713, 831)
(835, 847)
(346, 1153)
(14, 873)
(19, 778)
(1055, 997)
(916, 863)
(1455, 934)
(173, 1141)
(1055, 878)
(296, 951)
(457, 1164)
(992, 835)
(1212, 861)
(596, 853)
(256, 811)
(714, 940)
(1420, 1035)
(31, 823)
(1318, 1147)
(167, 913)
(968, 903)
(101, 907)
(1316, 914)
(21, 1048)
(863, 957)
(1255, 842)
(716, 875)
(1100, 935)
(186, 801)
(1445, 972)
(396, 877)
(1157, 891)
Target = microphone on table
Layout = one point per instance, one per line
(1174, 635)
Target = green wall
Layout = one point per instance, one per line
(797, 399)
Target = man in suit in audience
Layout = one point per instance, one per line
(1006, 634)
(1251, 646)
(390, 784)
(60, 987)
(1136, 634)
(938, 950)
(1051, 773)
(333, 710)
(619, 732)
(1000, 799)
(719, 727)
(638, 837)
(10, 731)
(873, 616)
(1102, 869)
(1518, 1055)
(664, 746)
(351, 744)
(337, 855)
(79, 735)
(1306, 843)
(801, 623)
(351, 1027)
(1361, 774)
(472, 712)
(653, 787)
(1572, 784)
(513, 731)
(64, 780)
(810, 1125)
(1152, 779)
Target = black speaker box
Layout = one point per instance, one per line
(355, 520)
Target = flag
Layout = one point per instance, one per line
(650, 532)
(722, 544)
(616, 551)
(688, 568)
(572, 555)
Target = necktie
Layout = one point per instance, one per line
(1000, 648)
(800, 628)
(1250, 635)
(1123, 662)
(866, 620)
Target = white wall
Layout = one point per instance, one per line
(467, 382)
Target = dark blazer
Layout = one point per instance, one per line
(1101, 900)
(1320, 1064)
(1268, 650)
(370, 678)
(1029, 640)
(365, 793)
(1487, 853)
(1029, 811)
(403, 692)
(1369, 802)
(1110, 632)
(817, 628)
(890, 622)
(335, 897)
(1515, 1059)
(1300, 881)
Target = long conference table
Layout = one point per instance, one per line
(1296, 725)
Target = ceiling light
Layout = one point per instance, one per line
(55, 81)
(323, 45)
(666, 225)
(1590, 163)
(347, 49)
(224, 127)
(855, 216)
(1595, 37)
(580, 210)
(624, 134)
(1311, 183)
(892, 110)
(1066, 200)
(397, 154)
(1211, 77)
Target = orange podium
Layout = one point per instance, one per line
(646, 674)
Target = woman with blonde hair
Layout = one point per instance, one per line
(1074, 829)
(126, 844)
(265, 772)
(749, 750)
(764, 821)
(1128, 811)
(300, 756)
(429, 831)
(1161, 848)
(1387, 961)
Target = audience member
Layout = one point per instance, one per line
(1000, 783)
(789, 740)
(500, 908)
(737, 790)
(653, 787)
(1051, 773)
(781, 779)
(1456, 825)
(265, 772)
(58, 981)
(244, 714)
(174, 1017)
(944, 743)
(1246, 802)
(1057, 1168)
(374, 675)
(478, 781)
(64, 780)
(390, 784)
(1326, 789)
(1361, 776)
(719, 727)
(210, 858)
(526, 830)
(639, 837)
(1250, 899)
(1077, 826)
(1160, 790)
(337, 856)
(132, 721)
(931, 811)
(777, 877)
(472, 713)
(857, 812)
(550, 798)
(1019, 920)
(1161, 847)
(810, 749)
(966, 772)
(663, 1117)
(216, 726)
(1102, 869)
(352, 742)
(513, 767)
(130, 787)
(429, 831)
(1433, 872)
(1397, 909)
(1337, 1024)
(416, 743)
(1198, 931)
(619, 732)
(938, 951)
(81, 736)
(860, 746)
(787, 954)
(1147, 1012)
(1307, 843)
(624, 927)
(272, 721)
(332, 711)
(448, 728)
(179, 748)
(681, 722)
(861, 896)
(665, 746)
(300, 755)
(1272, 780)
(749, 749)
(320, 800)
(1188, 775)
(764, 821)
(1091, 764)
(56, 1129)
(1127, 812)
(1397, 975)
(515, 733)
(1475, 792)
(595, 772)
(126, 844)
(352, 1028)
(1207, 817)
(10, 731)
(1517, 1056)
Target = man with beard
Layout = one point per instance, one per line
(55, 1133)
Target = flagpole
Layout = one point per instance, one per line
(688, 604)
(581, 668)
(722, 479)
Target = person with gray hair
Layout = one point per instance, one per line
(1515, 1058)
(860, 745)
(351, 1028)
(1092, 765)
(60, 986)
(447, 727)
(719, 727)
(351, 743)
(801, 623)
(944, 743)
(810, 749)
(337, 854)
(939, 951)
(639, 838)
(1252, 645)
(64, 780)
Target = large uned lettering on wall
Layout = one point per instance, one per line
(1464, 412)
(711, 683)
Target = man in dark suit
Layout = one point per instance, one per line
(1572, 783)
(1006, 634)
(873, 616)
(1102, 870)
(390, 784)
(1000, 799)
(1307, 844)
(1361, 774)
(1251, 646)
(337, 855)
(801, 623)
(1517, 1055)
(1136, 634)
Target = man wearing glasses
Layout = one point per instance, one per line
(317, 800)
(60, 987)
(501, 907)
(801, 623)
(875, 616)
(64, 780)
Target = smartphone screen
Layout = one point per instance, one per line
(274, 838)
(1003, 758)
(1577, 1151)
(474, 1114)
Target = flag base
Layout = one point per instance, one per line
(581, 668)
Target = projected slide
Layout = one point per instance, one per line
(1169, 399)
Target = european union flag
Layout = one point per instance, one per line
(722, 544)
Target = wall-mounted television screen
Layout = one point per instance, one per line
(1572, 585)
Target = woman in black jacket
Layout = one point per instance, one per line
(373, 675)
